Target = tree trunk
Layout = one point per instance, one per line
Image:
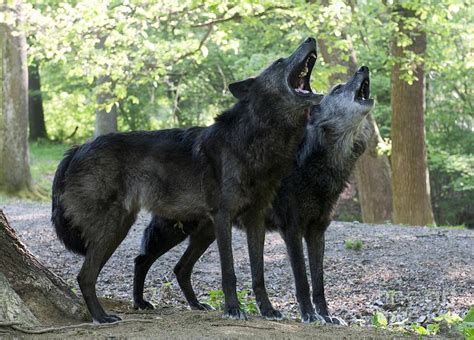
(374, 182)
(14, 165)
(372, 170)
(2, 122)
(105, 120)
(42, 292)
(35, 104)
(411, 186)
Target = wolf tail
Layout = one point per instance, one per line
(71, 237)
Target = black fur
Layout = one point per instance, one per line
(69, 236)
(335, 138)
(228, 170)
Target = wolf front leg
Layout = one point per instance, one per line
(254, 224)
(223, 232)
(315, 242)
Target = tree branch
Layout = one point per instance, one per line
(237, 16)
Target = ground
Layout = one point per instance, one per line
(411, 274)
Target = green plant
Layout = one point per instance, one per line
(450, 320)
(353, 244)
(379, 320)
(247, 303)
(467, 325)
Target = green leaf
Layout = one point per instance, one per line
(419, 329)
(469, 316)
(379, 320)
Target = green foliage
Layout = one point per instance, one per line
(353, 244)
(448, 323)
(44, 159)
(168, 63)
(466, 327)
(247, 303)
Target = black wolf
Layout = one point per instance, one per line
(214, 174)
(335, 137)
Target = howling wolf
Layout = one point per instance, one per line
(336, 136)
(213, 174)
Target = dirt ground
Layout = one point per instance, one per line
(171, 323)
(411, 274)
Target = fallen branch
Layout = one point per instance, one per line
(9, 323)
(239, 325)
(81, 325)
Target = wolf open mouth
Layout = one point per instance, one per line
(299, 79)
(363, 93)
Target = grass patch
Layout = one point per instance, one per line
(353, 244)
(44, 159)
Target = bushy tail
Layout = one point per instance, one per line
(71, 237)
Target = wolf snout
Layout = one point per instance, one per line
(363, 69)
(310, 40)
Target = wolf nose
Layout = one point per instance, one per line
(363, 69)
(309, 40)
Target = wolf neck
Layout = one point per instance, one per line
(262, 133)
(336, 148)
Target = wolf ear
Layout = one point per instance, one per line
(240, 89)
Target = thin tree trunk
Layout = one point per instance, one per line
(43, 292)
(14, 164)
(35, 104)
(372, 172)
(411, 186)
(105, 122)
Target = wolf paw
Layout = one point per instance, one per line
(107, 319)
(334, 320)
(142, 304)
(234, 313)
(272, 314)
(201, 306)
(312, 317)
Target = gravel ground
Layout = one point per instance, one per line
(412, 273)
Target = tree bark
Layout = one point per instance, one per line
(411, 186)
(42, 292)
(35, 104)
(105, 122)
(372, 172)
(14, 165)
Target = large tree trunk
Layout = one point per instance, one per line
(37, 291)
(35, 104)
(14, 165)
(411, 186)
(372, 171)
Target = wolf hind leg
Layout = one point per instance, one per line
(315, 243)
(199, 242)
(159, 237)
(98, 253)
